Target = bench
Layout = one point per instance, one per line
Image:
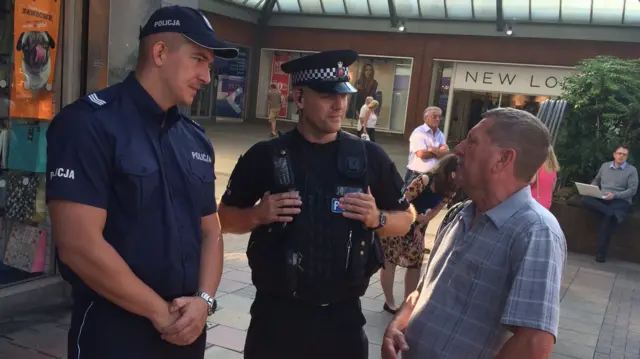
(581, 227)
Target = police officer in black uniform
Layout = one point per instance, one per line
(132, 201)
(324, 195)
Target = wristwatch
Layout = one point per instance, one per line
(382, 221)
(211, 302)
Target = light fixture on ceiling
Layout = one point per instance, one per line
(401, 25)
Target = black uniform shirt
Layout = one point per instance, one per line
(250, 178)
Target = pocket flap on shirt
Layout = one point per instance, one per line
(202, 170)
(138, 166)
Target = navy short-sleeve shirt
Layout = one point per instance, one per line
(151, 170)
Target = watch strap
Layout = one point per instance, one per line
(211, 302)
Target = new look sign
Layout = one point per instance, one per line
(525, 80)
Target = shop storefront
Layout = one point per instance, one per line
(224, 97)
(465, 90)
(32, 90)
(386, 79)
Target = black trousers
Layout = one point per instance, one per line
(288, 329)
(613, 212)
(372, 134)
(101, 330)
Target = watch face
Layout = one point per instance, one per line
(383, 219)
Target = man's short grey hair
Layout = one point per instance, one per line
(525, 134)
(431, 108)
(368, 99)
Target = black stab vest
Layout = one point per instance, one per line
(321, 257)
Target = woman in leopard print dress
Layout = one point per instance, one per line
(428, 193)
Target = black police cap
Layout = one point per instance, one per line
(325, 72)
(191, 24)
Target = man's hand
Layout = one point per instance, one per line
(164, 319)
(361, 207)
(392, 342)
(444, 148)
(608, 196)
(193, 313)
(273, 207)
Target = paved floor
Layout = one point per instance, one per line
(600, 315)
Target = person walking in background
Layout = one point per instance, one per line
(426, 145)
(428, 193)
(274, 105)
(369, 119)
(361, 113)
(544, 181)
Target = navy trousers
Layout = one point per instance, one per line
(613, 212)
(101, 330)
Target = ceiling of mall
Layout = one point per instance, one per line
(598, 12)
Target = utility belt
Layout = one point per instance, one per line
(291, 299)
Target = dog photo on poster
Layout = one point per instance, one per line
(36, 42)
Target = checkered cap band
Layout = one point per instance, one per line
(327, 74)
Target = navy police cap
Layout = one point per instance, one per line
(192, 24)
(325, 72)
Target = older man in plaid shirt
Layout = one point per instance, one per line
(492, 285)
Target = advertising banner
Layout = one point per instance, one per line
(35, 26)
(232, 76)
(230, 97)
(281, 80)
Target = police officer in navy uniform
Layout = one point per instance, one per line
(132, 201)
(324, 196)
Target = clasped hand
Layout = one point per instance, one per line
(361, 207)
(185, 320)
(281, 207)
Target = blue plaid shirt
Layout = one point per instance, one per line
(504, 271)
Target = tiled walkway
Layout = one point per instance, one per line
(600, 315)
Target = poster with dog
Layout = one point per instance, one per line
(35, 28)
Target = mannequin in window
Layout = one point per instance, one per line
(366, 85)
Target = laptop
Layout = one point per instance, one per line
(589, 190)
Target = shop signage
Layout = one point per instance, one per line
(281, 80)
(524, 80)
(36, 42)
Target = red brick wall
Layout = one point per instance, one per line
(232, 30)
(424, 48)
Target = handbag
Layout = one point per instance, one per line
(27, 248)
(28, 147)
(21, 196)
(365, 136)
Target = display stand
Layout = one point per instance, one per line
(26, 249)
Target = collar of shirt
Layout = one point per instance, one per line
(147, 105)
(501, 213)
(612, 165)
(426, 128)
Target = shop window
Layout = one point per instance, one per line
(30, 63)
(386, 80)
(228, 85)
